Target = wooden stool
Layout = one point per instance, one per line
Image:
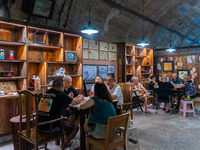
(185, 109)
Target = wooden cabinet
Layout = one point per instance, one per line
(134, 61)
(37, 52)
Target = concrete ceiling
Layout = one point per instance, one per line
(121, 20)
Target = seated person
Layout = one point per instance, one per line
(141, 92)
(97, 79)
(175, 79)
(114, 89)
(57, 101)
(152, 83)
(71, 92)
(101, 108)
(190, 88)
(164, 89)
(69, 89)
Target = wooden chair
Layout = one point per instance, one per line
(44, 88)
(152, 98)
(127, 98)
(109, 142)
(31, 133)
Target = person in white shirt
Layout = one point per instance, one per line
(141, 92)
(114, 89)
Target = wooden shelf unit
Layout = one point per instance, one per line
(135, 61)
(37, 52)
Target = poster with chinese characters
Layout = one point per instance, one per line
(85, 53)
(104, 46)
(85, 43)
(93, 54)
(112, 47)
(112, 56)
(103, 55)
(93, 44)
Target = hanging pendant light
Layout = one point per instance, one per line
(143, 42)
(170, 49)
(89, 29)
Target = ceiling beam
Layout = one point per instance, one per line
(118, 6)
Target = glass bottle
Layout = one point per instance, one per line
(11, 54)
(2, 54)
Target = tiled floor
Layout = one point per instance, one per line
(159, 132)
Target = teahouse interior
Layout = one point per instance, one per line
(56, 57)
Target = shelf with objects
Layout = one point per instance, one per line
(28, 52)
(12, 70)
(136, 61)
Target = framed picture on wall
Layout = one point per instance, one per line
(111, 69)
(182, 73)
(93, 54)
(89, 72)
(168, 66)
(103, 71)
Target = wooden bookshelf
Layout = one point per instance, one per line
(44, 46)
(11, 61)
(39, 52)
(13, 78)
(11, 43)
(135, 61)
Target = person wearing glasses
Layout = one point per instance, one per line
(69, 89)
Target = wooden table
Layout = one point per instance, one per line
(83, 115)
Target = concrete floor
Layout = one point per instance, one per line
(160, 132)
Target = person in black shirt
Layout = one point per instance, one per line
(69, 89)
(152, 83)
(71, 92)
(164, 89)
(50, 107)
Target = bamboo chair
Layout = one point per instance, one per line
(45, 87)
(31, 133)
(152, 98)
(115, 141)
(127, 98)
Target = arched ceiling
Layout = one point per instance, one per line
(121, 20)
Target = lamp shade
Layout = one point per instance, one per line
(170, 49)
(89, 29)
(143, 43)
